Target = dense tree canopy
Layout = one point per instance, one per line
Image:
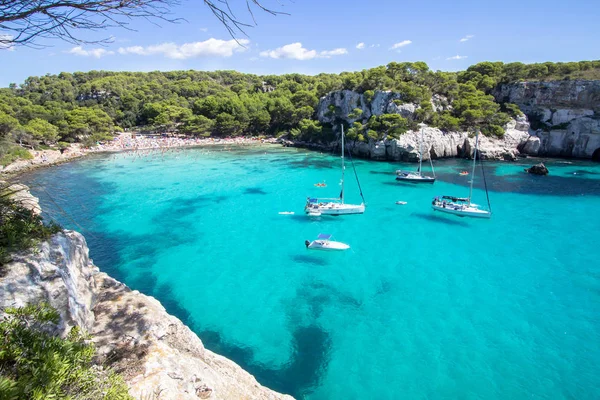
(90, 106)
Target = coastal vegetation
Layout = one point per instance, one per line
(20, 227)
(89, 107)
(35, 364)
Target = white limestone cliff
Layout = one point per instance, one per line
(437, 144)
(565, 116)
(154, 351)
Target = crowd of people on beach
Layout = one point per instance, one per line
(136, 144)
(128, 141)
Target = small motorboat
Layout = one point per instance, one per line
(286, 213)
(400, 203)
(323, 242)
(463, 173)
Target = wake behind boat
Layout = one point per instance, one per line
(323, 243)
(335, 206)
(462, 206)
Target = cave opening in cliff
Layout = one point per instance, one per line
(596, 155)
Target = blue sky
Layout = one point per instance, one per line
(324, 36)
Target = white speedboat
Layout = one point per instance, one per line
(462, 206)
(335, 206)
(323, 243)
(417, 177)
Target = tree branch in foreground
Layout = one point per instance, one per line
(25, 22)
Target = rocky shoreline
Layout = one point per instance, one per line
(157, 355)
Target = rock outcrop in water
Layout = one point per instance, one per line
(437, 144)
(538, 169)
(565, 116)
(154, 351)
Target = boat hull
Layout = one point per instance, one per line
(327, 245)
(423, 179)
(335, 209)
(463, 211)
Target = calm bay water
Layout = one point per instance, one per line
(423, 306)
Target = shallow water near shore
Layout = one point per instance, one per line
(423, 305)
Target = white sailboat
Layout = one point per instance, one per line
(463, 207)
(417, 177)
(335, 206)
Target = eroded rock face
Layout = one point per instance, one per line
(437, 144)
(155, 352)
(564, 114)
(60, 272)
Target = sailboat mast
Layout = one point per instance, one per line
(421, 152)
(474, 161)
(343, 166)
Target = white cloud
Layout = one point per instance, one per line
(80, 51)
(456, 57)
(467, 38)
(210, 47)
(335, 52)
(400, 44)
(375, 45)
(295, 51)
(360, 46)
(204, 29)
(5, 42)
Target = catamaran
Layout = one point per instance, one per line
(462, 206)
(323, 243)
(335, 206)
(417, 177)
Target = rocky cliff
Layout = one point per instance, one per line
(564, 115)
(436, 143)
(158, 356)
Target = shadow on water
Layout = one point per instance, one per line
(306, 259)
(254, 191)
(310, 356)
(524, 183)
(381, 173)
(441, 219)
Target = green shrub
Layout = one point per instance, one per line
(512, 109)
(14, 153)
(37, 365)
(20, 228)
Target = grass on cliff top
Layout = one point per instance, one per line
(35, 364)
(20, 228)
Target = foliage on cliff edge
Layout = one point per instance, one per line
(20, 227)
(37, 365)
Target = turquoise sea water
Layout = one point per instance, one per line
(423, 306)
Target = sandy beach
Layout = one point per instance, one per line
(123, 142)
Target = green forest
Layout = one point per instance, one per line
(88, 107)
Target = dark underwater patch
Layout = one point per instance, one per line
(310, 357)
(254, 190)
